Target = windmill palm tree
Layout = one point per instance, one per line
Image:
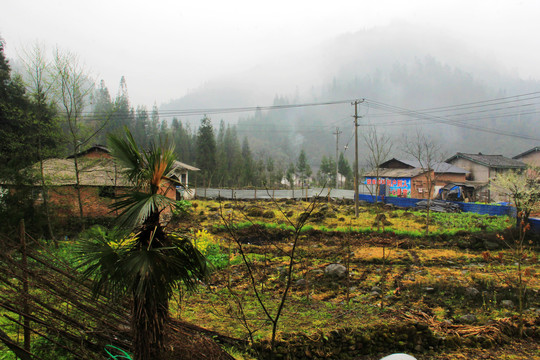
(149, 264)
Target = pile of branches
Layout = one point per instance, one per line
(43, 295)
(497, 332)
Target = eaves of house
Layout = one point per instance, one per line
(491, 161)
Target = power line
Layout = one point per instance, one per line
(443, 120)
(227, 110)
(476, 104)
(422, 115)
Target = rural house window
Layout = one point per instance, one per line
(106, 191)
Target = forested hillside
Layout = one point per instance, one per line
(394, 73)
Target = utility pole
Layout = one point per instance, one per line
(337, 149)
(356, 199)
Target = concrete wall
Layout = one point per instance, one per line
(532, 159)
(477, 172)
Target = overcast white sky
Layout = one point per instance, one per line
(166, 47)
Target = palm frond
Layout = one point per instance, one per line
(150, 274)
(128, 155)
(136, 207)
(98, 260)
(155, 273)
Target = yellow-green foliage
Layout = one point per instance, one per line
(202, 240)
(124, 242)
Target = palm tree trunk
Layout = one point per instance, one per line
(147, 326)
(149, 314)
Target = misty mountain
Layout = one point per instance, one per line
(399, 66)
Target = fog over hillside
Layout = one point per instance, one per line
(399, 65)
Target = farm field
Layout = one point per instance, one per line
(356, 289)
(440, 296)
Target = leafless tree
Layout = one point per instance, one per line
(380, 147)
(429, 156)
(73, 88)
(39, 84)
(298, 225)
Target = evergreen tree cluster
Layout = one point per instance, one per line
(37, 123)
(223, 159)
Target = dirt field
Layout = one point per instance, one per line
(460, 286)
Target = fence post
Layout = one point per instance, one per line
(26, 308)
(255, 193)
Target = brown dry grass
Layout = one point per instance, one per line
(417, 278)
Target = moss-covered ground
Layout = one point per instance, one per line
(397, 277)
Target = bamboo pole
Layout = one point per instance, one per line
(26, 307)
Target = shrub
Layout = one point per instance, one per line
(182, 209)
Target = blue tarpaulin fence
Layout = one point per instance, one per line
(496, 210)
(482, 209)
(535, 225)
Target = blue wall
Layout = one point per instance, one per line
(535, 225)
(497, 210)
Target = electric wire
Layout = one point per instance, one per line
(421, 116)
(443, 120)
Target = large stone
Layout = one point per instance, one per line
(335, 271)
(472, 292)
(509, 304)
(491, 245)
(468, 319)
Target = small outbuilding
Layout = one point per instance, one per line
(100, 180)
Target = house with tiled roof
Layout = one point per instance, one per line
(100, 180)
(484, 167)
(407, 178)
(530, 157)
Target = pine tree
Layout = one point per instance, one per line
(206, 150)
(302, 167)
(28, 133)
(102, 108)
(184, 142)
(122, 116)
(327, 171)
(154, 124)
(290, 175)
(140, 131)
(233, 157)
(345, 169)
(221, 156)
(248, 171)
